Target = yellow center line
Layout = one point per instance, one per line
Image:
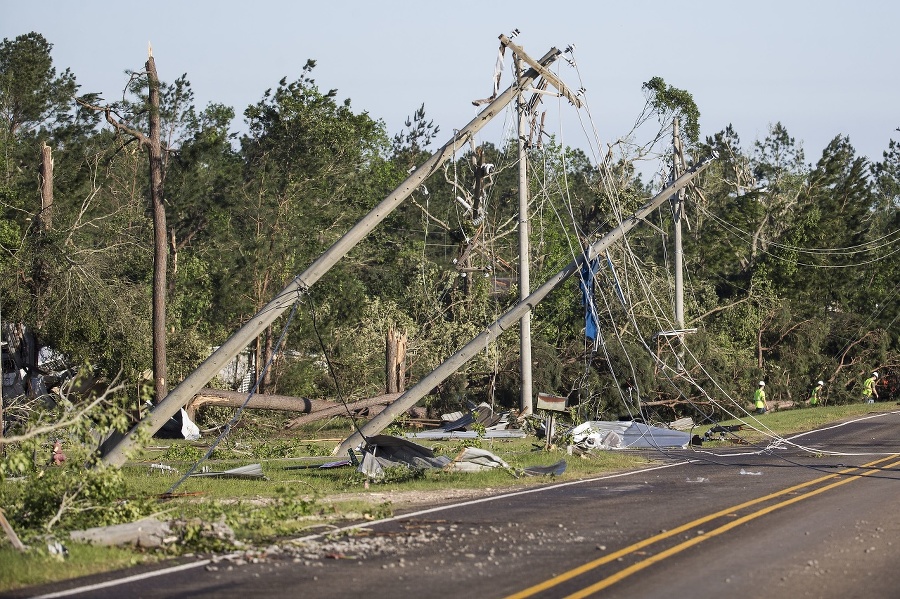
(626, 572)
(556, 580)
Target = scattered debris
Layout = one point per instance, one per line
(750, 473)
(248, 471)
(480, 422)
(163, 468)
(723, 431)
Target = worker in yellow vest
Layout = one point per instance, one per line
(760, 398)
(816, 396)
(870, 391)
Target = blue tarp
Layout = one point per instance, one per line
(586, 285)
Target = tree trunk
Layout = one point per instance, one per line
(235, 399)
(395, 361)
(45, 219)
(160, 245)
(41, 275)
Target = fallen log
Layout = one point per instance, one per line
(312, 409)
(235, 399)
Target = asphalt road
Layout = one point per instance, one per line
(814, 516)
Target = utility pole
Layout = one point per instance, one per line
(525, 403)
(511, 316)
(677, 212)
(115, 449)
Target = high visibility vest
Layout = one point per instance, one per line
(760, 398)
(814, 396)
(869, 386)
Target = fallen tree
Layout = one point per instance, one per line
(313, 409)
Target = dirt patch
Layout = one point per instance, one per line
(414, 499)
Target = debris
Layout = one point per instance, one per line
(58, 549)
(682, 424)
(458, 425)
(148, 532)
(473, 459)
(325, 466)
(163, 468)
(552, 470)
(626, 435)
(248, 471)
(750, 473)
(179, 426)
(699, 479)
(385, 451)
(438, 434)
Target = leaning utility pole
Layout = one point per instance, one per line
(114, 450)
(511, 316)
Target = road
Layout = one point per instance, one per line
(813, 521)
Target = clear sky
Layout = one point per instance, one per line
(820, 67)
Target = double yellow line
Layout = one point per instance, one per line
(626, 572)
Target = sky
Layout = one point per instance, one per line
(821, 68)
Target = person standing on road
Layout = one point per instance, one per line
(870, 392)
(816, 396)
(760, 398)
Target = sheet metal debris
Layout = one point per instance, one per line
(604, 435)
(473, 459)
(552, 470)
(253, 471)
(459, 425)
(386, 451)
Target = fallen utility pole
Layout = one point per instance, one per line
(115, 449)
(512, 316)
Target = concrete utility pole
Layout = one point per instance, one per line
(511, 316)
(115, 449)
(527, 395)
(677, 211)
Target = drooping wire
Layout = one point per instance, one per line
(331, 371)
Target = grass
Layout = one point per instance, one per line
(292, 501)
(38, 566)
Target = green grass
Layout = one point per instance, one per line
(787, 422)
(37, 566)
